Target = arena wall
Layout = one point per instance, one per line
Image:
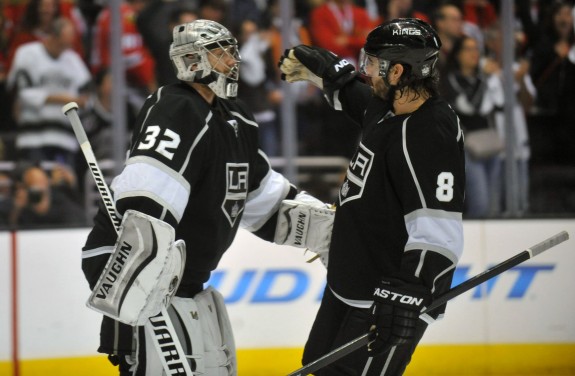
(519, 323)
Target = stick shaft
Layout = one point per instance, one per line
(472, 282)
(82, 138)
(70, 110)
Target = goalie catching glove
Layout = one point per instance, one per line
(305, 222)
(319, 66)
(142, 274)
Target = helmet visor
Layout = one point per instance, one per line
(372, 66)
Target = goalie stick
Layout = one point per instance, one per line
(159, 327)
(472, 282)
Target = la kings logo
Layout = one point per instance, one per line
(357, 173)
(236, 190)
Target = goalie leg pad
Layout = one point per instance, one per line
(143, 272)
(204, 330)
(219, 343)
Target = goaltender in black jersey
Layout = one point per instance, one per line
(193, 176)
(398, 233)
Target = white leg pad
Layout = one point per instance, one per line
(207, 329)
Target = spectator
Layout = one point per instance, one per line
(7, 124)
(449, 24)
(97, 117)
(84, 15)
(214, 10)
(392, 9)
(139, 64)
(36, 24)
(553, 72)
(4, 40)
(525, 94)
(475, 94)
(308, 97)
(479, 12)
(341, 27)
(155, 23)
(299, 33)
(258, 86)
(245, 10)
(46, 75)
(41, 200)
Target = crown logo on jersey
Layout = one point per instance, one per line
(234, 124)
(235, 210)
(345, 188)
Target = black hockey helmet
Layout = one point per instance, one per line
(409, 41)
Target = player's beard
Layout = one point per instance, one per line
(382, 90)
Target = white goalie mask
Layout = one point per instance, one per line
(205, 52)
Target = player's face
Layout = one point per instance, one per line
(380, 89)
(224, 59)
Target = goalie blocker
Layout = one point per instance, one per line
(142, 274)
(305, 222)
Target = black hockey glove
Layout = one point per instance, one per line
(334, 72)
(395, 313)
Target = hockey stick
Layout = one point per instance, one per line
(472, 282)
(159, 327)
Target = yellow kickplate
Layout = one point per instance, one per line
(460, 360)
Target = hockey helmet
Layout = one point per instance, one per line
(409, 41)
(193, 45)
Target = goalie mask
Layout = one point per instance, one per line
(205, 52)
(408, 41)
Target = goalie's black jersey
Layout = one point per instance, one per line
(198, 167)
(399, 212)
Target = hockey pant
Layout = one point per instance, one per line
(337, 323)
(203, 329)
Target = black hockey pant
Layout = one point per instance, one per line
(337, 323)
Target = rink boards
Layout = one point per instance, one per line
(518, 323)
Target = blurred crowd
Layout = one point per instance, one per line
(56, 51)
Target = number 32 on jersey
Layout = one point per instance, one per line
(168, 144)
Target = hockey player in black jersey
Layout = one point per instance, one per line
(398, 232)
(194, 174)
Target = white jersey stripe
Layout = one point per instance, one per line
(148, 180)
(262, 203)
(435, 233)
(336, 102)
(388, 360)
(195, 143)
(158, 96)
(367, 365)
(409, 164)
(353, 302)
(244, 119)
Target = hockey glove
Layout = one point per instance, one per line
(305, 222)
(395, 313)
(293, 70)
(333, 71)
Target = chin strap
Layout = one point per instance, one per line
(213, 76)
